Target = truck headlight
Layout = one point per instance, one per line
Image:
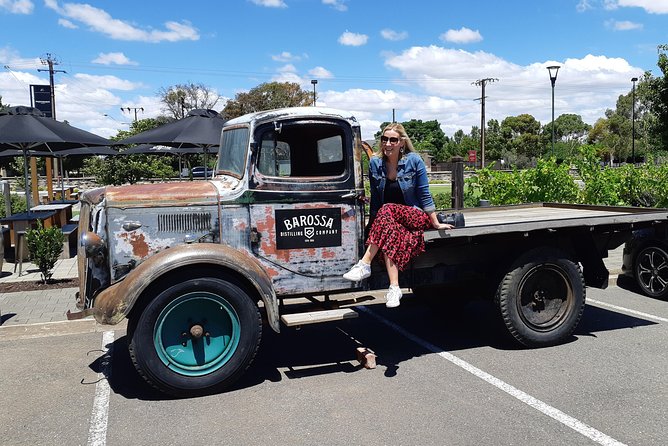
(92, 243)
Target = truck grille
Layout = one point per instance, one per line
(184, 222)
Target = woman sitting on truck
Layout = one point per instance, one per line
(401, 209)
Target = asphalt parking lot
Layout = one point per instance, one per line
(441, 379)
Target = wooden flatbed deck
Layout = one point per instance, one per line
(545, 216)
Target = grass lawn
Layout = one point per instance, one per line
(440, 189)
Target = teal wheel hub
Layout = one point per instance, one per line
(197, 333)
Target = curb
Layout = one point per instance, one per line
(58, 328)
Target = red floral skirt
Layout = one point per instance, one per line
(398, 231)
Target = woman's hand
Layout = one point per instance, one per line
(437, 224)
(442, 226)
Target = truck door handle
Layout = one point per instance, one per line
(349, 195)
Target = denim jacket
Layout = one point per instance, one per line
(412, 178)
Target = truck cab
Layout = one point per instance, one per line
(190, 263)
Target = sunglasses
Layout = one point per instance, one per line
(392, 140)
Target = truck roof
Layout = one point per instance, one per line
(294, 112)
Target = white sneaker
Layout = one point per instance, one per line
(358, 272)
(393, 297)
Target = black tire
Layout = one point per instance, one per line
(650, 269)
(542, 298)
(196, 337)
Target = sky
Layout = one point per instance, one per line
(375, 59)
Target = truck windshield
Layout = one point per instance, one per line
(232, 154)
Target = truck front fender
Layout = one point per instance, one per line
(113, 304)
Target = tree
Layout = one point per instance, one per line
(124, 169)
(522, 134)
(181, 98)
(267, 96)
(494, 144)
(655, 93)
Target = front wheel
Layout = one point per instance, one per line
(542, 298)
(197, 336)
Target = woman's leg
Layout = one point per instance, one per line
(370, 253)
(392, 271)
(393, 296)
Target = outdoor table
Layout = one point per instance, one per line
(58, 191)
(63, 212)
(25, 220)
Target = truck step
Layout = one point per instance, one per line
(314, 317)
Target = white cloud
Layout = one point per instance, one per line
(17, 6)
(288, 68)
(320, 73)
(650, 6)
(100, 21)
(624, 25)
(462, 35)
(436, 83)
(610, 5)
(107, 82)
(113, 59)
(390, 34)
(339, 5)
(584, 5)
(353, 39)
(270, 3)
(285, 56)
(67, 24)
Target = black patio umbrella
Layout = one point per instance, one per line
(27, 129)
(201, 129)
(150, 149)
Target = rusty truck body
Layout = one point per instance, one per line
(199, 267)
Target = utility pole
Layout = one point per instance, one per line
(50, 61)
(481, 83)
(129, 109)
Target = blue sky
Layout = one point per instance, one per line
(419, 58)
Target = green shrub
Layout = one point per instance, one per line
(18, 204)
(45, 246)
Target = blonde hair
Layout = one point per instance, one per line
(395, 126)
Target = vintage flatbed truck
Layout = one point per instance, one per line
(196, 267)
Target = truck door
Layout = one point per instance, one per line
(304, 205)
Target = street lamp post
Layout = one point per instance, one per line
(552, 70)
(314, 81)
(633, 120)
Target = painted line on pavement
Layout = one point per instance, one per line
(567, 420)
(628, 310)
(97, 431)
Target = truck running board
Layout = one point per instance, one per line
(314, 317)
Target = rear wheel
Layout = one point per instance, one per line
(196, 336)
(651, 271)
(542, 298)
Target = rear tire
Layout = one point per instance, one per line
(195, 337)
(542, 298)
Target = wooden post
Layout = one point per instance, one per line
(49, 178)
(457, 182)
(34, 180)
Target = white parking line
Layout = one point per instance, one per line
(97, 431)
(628, 310)
(567, 420)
